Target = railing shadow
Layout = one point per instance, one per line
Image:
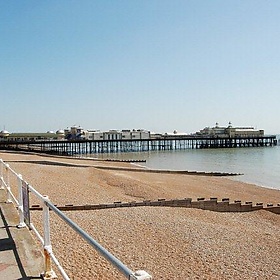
(8, 244)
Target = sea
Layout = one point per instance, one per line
(258, 165)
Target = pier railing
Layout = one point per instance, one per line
(22, 203)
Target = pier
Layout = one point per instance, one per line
(82, 146)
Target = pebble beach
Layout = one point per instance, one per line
(168, 243)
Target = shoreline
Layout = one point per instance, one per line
(137, 163)
(143, 175)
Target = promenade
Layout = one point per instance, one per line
(20, 258)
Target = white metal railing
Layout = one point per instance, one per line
(22, 203)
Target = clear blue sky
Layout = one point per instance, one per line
(158, 65)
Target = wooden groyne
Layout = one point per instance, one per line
(224, 205)
(72, 147)
(129, 169)
(164, 171)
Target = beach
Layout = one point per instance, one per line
(169, 243)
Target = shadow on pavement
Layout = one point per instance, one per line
(8, 244)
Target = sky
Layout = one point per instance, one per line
(144, 64)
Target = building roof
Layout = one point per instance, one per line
(32, 134)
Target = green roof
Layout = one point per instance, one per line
(32, 134)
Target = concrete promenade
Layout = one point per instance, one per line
(20, 258)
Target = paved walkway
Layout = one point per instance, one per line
(20, 258)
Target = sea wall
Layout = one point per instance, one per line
(212, 204)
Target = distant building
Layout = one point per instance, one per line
(4, 134)
(112, 135)
(125, 134)
(29, 136)
(230, 131)
(175, 133)
(135, 134)
(75, 133)
(95, 134)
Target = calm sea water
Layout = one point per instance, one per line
(260, 166)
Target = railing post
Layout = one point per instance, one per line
(1, 175)
(20, 201)
(9, 197)
(140, 275)
(48, 272)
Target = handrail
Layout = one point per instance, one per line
(118, 264)
(23, 208)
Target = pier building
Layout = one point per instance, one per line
(230, 131)
(31, 136)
